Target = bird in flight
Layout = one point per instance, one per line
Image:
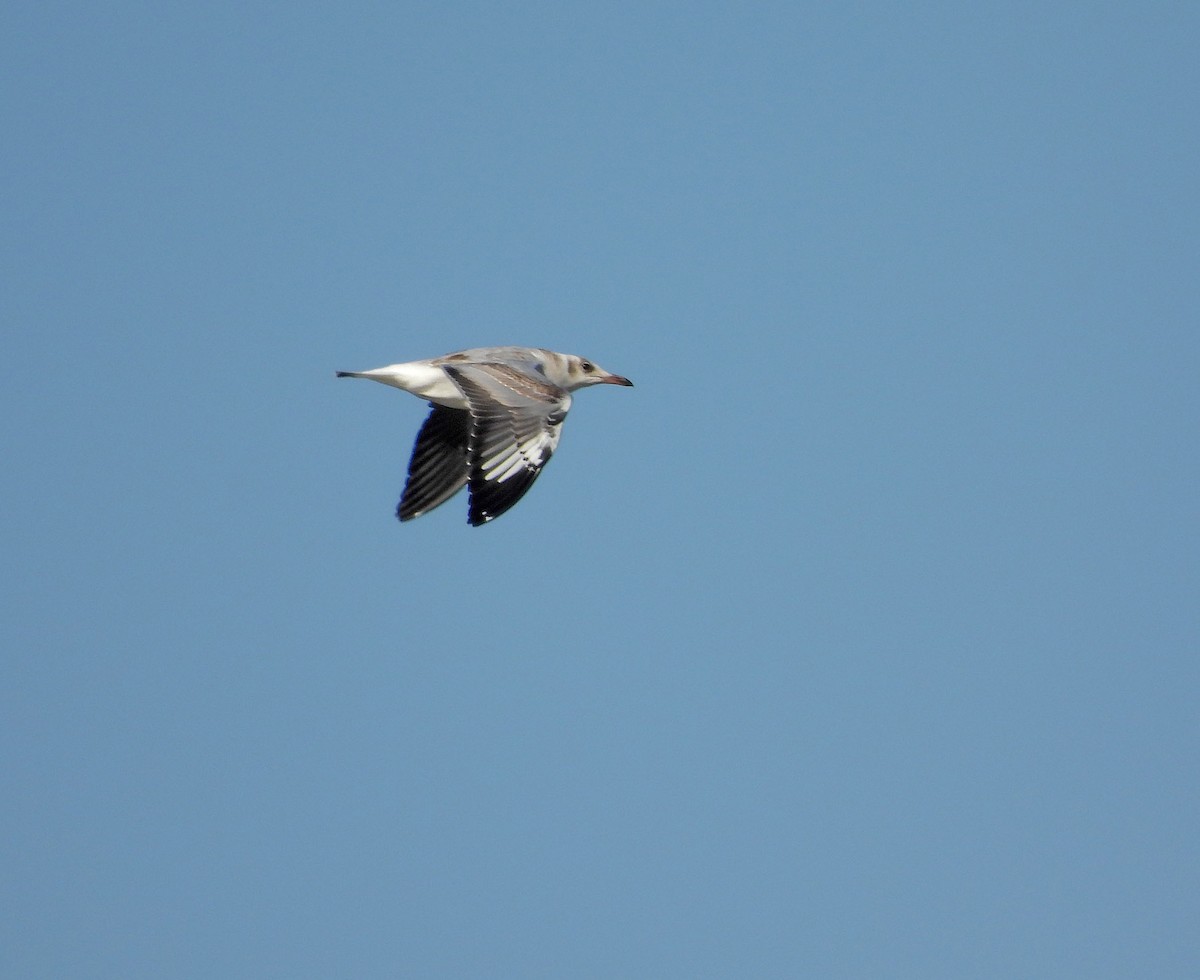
(496, 419)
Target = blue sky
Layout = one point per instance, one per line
(858, 639)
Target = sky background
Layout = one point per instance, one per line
(859, 639)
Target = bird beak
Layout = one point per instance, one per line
(616, 379)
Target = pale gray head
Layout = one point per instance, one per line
(570, 371)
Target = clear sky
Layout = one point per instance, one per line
(859, 639)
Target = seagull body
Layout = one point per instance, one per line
(496, 419)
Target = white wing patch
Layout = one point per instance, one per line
(516, 422)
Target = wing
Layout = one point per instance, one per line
(438, 468)
(516, 422)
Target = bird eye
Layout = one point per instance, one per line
(587, 365)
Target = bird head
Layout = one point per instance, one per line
(582, 372)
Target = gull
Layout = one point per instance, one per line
(496, 419)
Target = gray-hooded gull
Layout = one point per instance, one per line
(496, 419)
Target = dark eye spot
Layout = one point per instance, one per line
(588, 366)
